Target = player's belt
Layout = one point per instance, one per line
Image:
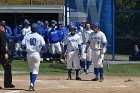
(72, 50)
(97, 49)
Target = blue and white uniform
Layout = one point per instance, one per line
(54, 40)
(33, 43)
(18, 39)
(98, 43)
(72, 50)
(85, 57)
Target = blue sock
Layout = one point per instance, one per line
(69, 72)
(96, 72)
(77, 72)
(34, 76)
(88, 64)
(31, 77)
(101, 70)
(82, 64)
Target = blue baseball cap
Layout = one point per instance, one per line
(53, 22)
(46, 22)
(73, 27)
(26, 22)
(96, 24)
(34, 27)
(79, 23)
(60, 23)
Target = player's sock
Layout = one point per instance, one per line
(101, 70)
(69, 73)
(31, 76)
(82, 64)
(96, 72)
(34, 76)
(77, 72)
(88, 64)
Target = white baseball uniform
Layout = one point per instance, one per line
(26, 30)
(97, 41)
(33, 43)
(85, 38)
(72, 42)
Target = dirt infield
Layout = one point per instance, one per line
(59, 84)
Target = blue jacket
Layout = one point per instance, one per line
(46, 32)
(8, 34)
(41, 31)
(54, 36)
(17, 34)
(65, 33)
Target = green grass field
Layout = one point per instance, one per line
(48, 68)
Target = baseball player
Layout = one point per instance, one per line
(33, 43)
(27, 28)
(48, 50)
(98, 43)
(40, 28)
(54, 40)
(86, 57)
(18, 38)
(72, 50)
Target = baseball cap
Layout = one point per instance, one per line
(72, 27)
(53, 22)
(26, 22)
(34, 27)
(46, 22)
(60, 23)
(96, 24)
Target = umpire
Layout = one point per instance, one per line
(4, 58)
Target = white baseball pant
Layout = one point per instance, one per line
(97, 59)
(56, 48)
(86, 56)
(73, 60)
(34, 62)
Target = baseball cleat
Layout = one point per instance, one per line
(101, 80)
(78, 78)
(69, 78)
(95, 79)
(86, 72)
(31, 88)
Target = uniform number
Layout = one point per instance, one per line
(33, 41)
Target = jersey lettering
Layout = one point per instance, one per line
(33, 41)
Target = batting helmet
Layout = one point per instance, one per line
(34, 27)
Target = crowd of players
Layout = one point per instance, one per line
(78, 44)
(54, 34)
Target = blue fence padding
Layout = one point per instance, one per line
(106, 21)
(101, 11)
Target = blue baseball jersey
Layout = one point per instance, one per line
(65, 33)
(41, 31)
(54, 36)
(46, 32)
